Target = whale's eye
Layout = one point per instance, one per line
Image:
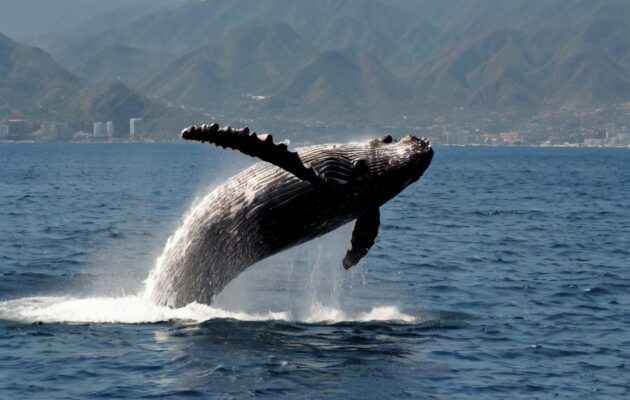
(361, 164)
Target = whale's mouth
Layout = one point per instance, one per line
(420, 145)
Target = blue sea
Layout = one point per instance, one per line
(502, 274)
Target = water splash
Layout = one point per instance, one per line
(136, 310)
(315, 268)
(319, 313)
(157, 289)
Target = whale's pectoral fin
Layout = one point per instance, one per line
(260, 146)
(363, 236)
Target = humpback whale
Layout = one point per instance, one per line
(287, 199)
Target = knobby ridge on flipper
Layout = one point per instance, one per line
(254, 145)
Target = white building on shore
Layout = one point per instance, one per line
(136, 128)
(99, 130)
(110, 129)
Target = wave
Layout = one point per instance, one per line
(137, 310)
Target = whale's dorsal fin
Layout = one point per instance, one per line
(363, 236)
(260, 146)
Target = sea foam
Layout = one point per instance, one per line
(136, 310)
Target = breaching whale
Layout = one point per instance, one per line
(288, 199)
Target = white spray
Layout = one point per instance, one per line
(319, 306)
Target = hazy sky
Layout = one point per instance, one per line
(23, 18)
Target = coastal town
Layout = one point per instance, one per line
(605, 126)
(18, 129)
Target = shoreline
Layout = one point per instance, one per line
(178, 142)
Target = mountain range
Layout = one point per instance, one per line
(33, 85)
(354, 61)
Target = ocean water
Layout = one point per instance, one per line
(502, 273)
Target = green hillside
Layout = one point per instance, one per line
(248, 62)
(33, 85)
(334, 83)
(369, 60)
(119, 62)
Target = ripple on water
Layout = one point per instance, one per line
(528, 244)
